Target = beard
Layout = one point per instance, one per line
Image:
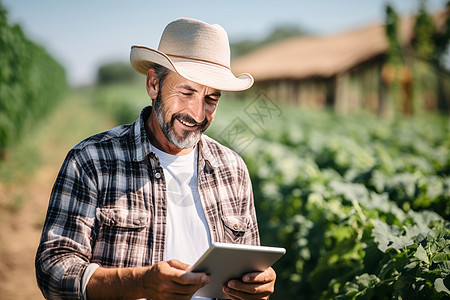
(189, 138)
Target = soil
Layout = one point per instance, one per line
(20, 231)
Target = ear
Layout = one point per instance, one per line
(152, 84)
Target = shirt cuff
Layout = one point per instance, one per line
(90, 269)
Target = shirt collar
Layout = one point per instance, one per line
(205, 153)
(143, 147)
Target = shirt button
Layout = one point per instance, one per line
(158, 175)
(235, 227)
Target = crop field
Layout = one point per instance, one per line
(360, 203)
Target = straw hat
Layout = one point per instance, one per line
(198, 51)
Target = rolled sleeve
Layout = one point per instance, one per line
(86, 277)
(65, 248)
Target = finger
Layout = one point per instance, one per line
(235, 294)
(177, 274)
(227, 291)
(264, 289)
(268, 275)
(183, 277)
(193, 278)
(177, 288)
(178, 264)
(188, 278)
(184, 289)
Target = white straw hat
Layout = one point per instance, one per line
(197, 51)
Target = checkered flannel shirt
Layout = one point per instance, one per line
(108, 206)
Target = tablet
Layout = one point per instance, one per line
(231, 261)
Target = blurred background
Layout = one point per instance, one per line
(345, 132)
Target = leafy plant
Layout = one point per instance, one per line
(354, 200)
(31, 82)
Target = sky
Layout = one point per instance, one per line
(84, 34)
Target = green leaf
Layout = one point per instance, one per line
(440, 286)
(411, 265)
(389, 236)
(367, 280)
(440, 257)
(422, 254)
(444, 267)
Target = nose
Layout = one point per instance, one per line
(197, 108)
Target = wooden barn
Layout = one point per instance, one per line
(344, 71)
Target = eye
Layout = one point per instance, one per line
(211, 99)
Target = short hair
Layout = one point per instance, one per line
(161, 73)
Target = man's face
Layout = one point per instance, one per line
(184, 110)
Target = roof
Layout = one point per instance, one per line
(303, 57)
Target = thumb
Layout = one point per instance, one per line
(187, 277)
(174, 263)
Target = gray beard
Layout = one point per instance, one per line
(189, 138)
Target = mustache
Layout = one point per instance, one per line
(187, 118)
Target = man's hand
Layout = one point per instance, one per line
(258, 285)
(164, 280)
(170, 280)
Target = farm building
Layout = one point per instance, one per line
(347, 71)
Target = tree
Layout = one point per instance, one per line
(394, 72)
(115, 72)
(430, 45)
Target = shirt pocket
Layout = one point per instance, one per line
(123, 218)
(122, 236)
(235, 228)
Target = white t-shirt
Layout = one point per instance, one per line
(187, 233)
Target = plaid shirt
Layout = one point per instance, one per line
(108, 206)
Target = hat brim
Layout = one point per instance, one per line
(202, 72)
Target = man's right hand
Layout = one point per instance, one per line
(164, 280)
(171, 280)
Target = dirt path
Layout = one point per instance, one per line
(20, 232)
(23, 204)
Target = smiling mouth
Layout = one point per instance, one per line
(188, 124)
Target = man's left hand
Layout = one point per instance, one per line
(259, 285)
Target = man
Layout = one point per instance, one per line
(134, 207)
